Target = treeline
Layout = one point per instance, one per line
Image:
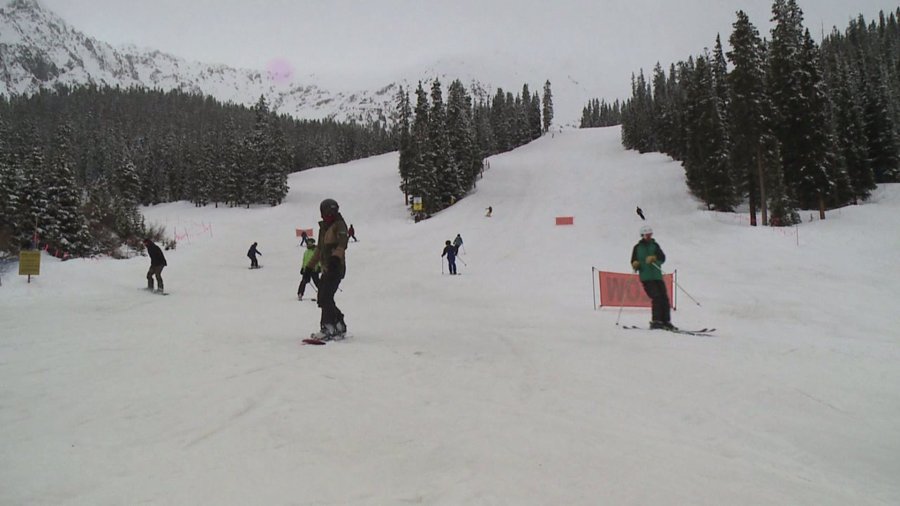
(443, 146)
(598, 113)
(76, 163)
(787, 125)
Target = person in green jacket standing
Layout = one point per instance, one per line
(647, 258)
(309, 272)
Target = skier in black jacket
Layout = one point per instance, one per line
(157, 262)
(450, 253)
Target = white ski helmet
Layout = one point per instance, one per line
(646, 229)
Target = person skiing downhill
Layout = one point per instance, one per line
(450, 253)
(330, 257)
(251, 254)
(640, 213)
(157, 262)
(352, 233)
(647, 258)
(304, 237)
(457, 243)
(309, 272)
(490, 211)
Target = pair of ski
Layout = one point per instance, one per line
(700, 332)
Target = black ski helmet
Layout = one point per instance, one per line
(328, 207)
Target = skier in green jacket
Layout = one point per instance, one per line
(309, 272)
(647, 258)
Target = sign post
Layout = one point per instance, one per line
(29, 264)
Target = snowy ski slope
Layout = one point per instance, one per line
(498, 386)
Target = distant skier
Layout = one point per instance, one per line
(647, 258)
(251, 254)
(309, 272)
(330, 257)
(490, 211)
(450, 253)
(640, 213)
(457, 243)
(157, 263)
(304, 237)
(352, 234)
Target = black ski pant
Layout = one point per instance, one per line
(307, 277)
(656, 290)
(253, 262)
(155, 270)
(328, 286)
(451, 263)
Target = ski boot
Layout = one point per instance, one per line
(326, 333)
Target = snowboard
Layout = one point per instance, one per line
(319, 342)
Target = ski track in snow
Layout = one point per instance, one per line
(499, 386)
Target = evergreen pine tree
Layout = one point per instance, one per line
(547, 107)
(406, 146)
(850, 132)
(880, 127)
(750, 119)
(421, 174)
(447, 184)
(65, 229)
(461, 136)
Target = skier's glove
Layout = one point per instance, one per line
(636, 265)
(651, 259)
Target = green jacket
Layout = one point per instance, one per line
(307, 256)
(641, 251)
(332, 243)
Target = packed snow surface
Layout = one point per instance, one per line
(502, 385)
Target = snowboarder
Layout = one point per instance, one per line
(352, 233)
(450, 253)
(309, 272)
(490, 210)
(647, 258)
(457, 243)
(304, 237)
(640, 213)
(157, 262)
(251, 254)
(330, 257)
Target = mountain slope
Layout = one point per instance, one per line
(498, 386)
(40, 50)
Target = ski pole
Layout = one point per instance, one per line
(442, 265)
(463, 261)
(679, 286)
(620, 315)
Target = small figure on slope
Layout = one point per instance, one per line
(251, 254)
(490, 210)
(304, 237)
(647, 258)
(450, 253)
(157, 262)
(309, 272)
(329, 255)
(352, 233)
(457, 243)
(640, 213)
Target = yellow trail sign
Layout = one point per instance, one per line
(29, 263)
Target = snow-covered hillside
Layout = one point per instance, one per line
(498, 386)
(39, 50)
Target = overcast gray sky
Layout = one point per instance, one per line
(600, 41)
